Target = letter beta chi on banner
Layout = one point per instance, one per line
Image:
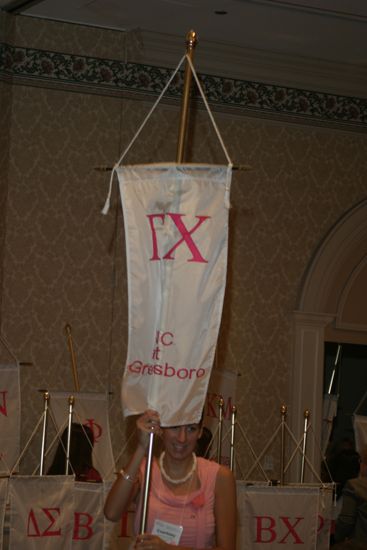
(90, 409)
(272, 517)
(9, 417)
(176, 227)
(42, 512)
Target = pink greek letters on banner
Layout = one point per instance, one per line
(287, 517)
(186, 237)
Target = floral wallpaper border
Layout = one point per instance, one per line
(106, 76)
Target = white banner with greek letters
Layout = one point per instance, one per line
(90, 409)
(283, 517)
(9, 417)
(41, 512)
(176, 228)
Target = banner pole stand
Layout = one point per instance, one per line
(283, 412)
(233, 429)
(305, 432)
(70, 421)
(46, 397)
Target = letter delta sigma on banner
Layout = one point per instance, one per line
(176, 228)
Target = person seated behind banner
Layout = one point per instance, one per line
(204, 443)
(344, 465)
(192, 501)
(80, 456)
(351, 524)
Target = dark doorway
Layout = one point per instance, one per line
(350, 384)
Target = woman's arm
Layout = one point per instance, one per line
(125, 488)
(225, 510)
(127, 485)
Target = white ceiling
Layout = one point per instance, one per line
(322, 34)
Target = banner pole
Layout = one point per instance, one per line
(70, 420)
(148, 470)
(72, 356)
(305, 432)
(283, 412)
(233, 429)
(220, 427)
(46, 398)
(191, 41)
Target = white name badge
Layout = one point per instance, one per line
(169, 532)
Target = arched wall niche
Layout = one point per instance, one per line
(332, 306)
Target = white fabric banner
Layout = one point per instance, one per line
(360, 432)
(42, 516)
(3, 500)
(9, 417)
(279, 517)
(176, 228)
(90, 409)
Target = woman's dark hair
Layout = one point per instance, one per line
(80, 456)
(204, 443)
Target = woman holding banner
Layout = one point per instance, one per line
(192, 501)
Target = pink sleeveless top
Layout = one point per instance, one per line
(195, 511)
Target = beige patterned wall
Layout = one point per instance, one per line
(5, 118)
(64, 261)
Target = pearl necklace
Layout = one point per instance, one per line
(183, 479)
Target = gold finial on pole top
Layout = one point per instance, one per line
(306, 414)
(191, 41)
(72, 356)
(283, 410)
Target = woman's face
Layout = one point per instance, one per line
(180, 441)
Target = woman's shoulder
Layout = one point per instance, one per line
(205, 464)
(212, 471)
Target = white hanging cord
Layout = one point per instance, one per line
(107, 204)
(209, 111)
